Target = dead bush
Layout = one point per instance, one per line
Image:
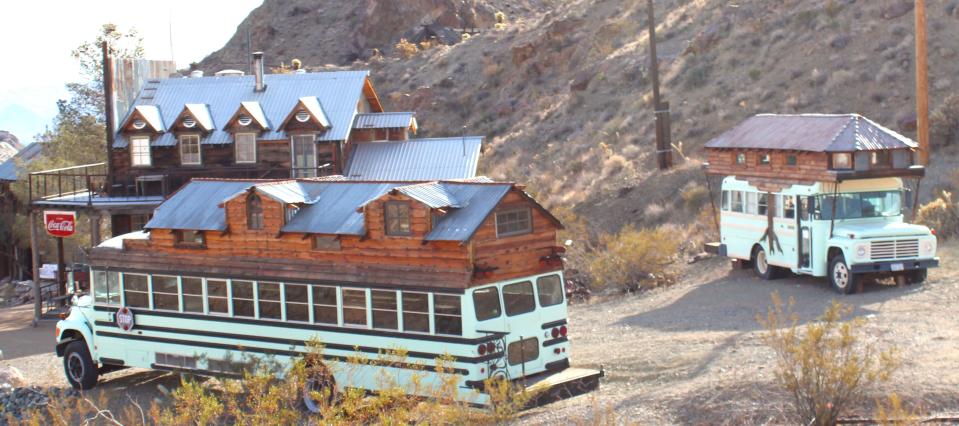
(824, 366)
(634, 259)
(406, 49)
(944, 122)
(941, 214)
(695, 196)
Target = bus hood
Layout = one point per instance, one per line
(879, 230)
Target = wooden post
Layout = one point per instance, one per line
(61, 269)
(35, 259)
(661, 111)
(95, 228)
(922, 84)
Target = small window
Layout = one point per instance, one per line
(764, 160)
(242, 298)
(752, 203)
(192, 294)
(216, 296)
(190, 149)
(549, 289)
(486, 303)
(354, 307)
(763, 204)
(737, 201)
(741, 158)
(725, 205)
(522, 351)
(397, 218)
(289, 213)
(324, 305)
(245, 148)
(791, 160)
(513, 222)
(136, 291)
(106, 287)
(842, 161)
(140, 152)
(297, 302)
(384, 309)
(268, 295)
(447, 315)
(518, 298)
(416, 312)
(879, 159)
(789, 207)
(189, 238)
(166, 295)
(326, 243)
(254, 212)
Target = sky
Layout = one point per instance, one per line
(37, 36)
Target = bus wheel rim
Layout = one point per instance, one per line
(761, 262)
(312, 385)
(75, 367)
(841, 275)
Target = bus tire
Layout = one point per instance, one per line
(761, 265)
(917, 276)
(81, 371)
(841, 278)
(319, 380)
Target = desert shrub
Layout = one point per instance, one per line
(614, 165)
(695, 196)
(894, 412)
(634, 259)
(500, 19)
(406, 49)
(944, 122)
(655, 212)
(698, 74)
(824, 365)
(755, 74)
(941, 214)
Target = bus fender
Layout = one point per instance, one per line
(71, 330)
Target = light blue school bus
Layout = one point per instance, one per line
(845, 231)
(515, 330)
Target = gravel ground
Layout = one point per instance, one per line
(688, 354)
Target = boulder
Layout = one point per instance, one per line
(11, 377)
(897, 9)
(580, 82)
(840, 41)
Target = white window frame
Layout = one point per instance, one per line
(199, 150)
(300, 172)
(136, 151)
(236, 148)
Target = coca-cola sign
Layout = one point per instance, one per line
(60, 223)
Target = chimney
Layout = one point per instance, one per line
(258, 71)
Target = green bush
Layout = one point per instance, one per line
(941, 214)
(634, 259)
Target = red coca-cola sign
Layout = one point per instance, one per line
(60, 223)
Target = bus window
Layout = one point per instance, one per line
(522, 351)
(486, 303)
(166, 296)
(763, 204)
(324, 304)
(384, 309)
(242, 298)
(297, 302)
(752, 203)
(447, 315)
(416, 312)
(354, 307)
(550, 290)
(737, 201)
(135, 291)
(789, 207)
(269, 299)
(106, 287)
(518, 298)
(192, 294)
(725, 202)
(216, 298)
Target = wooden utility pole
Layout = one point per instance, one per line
(664, 154)
(35, 264)
(922, 83)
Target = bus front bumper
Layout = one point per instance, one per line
(894, 266)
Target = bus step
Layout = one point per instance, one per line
(562, 385)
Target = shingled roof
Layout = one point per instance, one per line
(811, 132)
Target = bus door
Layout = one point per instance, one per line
(491, 322)
(804, 219)
(783, 251)
(526, 335)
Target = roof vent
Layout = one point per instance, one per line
(229, 73)
(244, 120)
(196, 74)
(139, 124)
(189, 122)
(302, 116)
(300, 71)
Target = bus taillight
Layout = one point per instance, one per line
(563, 331)
(555, 332)
(481, 349)
(490, 347)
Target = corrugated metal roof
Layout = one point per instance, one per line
(313, 106)
(811, 132)
(433, 194)
(202, 115)
(338, 92)
(256, 113)
(477, 201)
(8, 169)
(415, 159)
(290, 192)
(151, 114)
(196, 205)
(385, 120)
(335, 212)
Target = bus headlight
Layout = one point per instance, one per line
(862, 251)
(928, 248)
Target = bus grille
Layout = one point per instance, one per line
(894, 249)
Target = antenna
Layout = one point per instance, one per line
(170, 33)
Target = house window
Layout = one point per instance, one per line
(140, 151)
(879, 159)
(764, 160)
(138, 221)
(289, 213)
(790, 160)
(447, 315)
(384, 309)
(326, 243)
(297, 302)
(324, 305)
(741, 158)
(190, 149)
(254, 212)
(416, 312)
(304, 156)
(189, 238)
(397, 215)
(245, 147)
(842, 161)
(513, 222)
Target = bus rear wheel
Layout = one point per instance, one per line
(761, 265)
(841, 278)
(79, 367)
(319, 391)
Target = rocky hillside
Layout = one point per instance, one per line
(561, 89)
(9, 145)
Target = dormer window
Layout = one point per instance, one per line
(291, 212)
(139, 124)
(189, 122)
(302, 116)
(186, 238)
(245, 147)
(140, 151)
(397, 215)
(244, 120)
(254, 212)
(842, 161)
(190, 149)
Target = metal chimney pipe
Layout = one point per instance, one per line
(258, 71)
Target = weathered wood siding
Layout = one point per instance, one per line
(810, 166)
(369, 135)
(518, 255)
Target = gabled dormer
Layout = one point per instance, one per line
(246, 124)
(141, 127)
(306, 115)
(194, 118)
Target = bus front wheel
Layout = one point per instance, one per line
(79, 367)
(917, 276)
(761, 265)
(841, 278)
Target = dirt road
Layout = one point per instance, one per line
(688, 354)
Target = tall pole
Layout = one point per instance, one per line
(922, 83)
(108, 106)
(35, 264)
(663, 150)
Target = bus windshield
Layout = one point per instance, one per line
(861, 205)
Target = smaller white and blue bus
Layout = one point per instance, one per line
(216, 324)
(844, 231)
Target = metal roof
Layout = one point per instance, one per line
(337, 92)
(385, 120)
(151, 114)
(477, 201)
(415, 159)
(316, 110)
(290, 192)
(336, 210)
(433, 194)
(196, 205)
(256, 113)
(202, 115)
(811, 132)
(8, 169)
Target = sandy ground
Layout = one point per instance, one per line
(689, 354)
